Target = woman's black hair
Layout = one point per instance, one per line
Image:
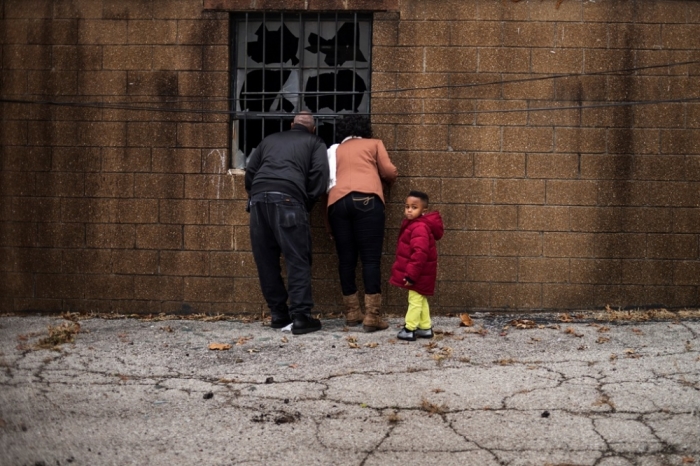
(353, 125)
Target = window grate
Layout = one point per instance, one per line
(287, 62)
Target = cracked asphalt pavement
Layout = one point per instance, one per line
(131, 391)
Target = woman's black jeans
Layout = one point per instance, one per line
(357, 222)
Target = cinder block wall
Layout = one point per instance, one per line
(104, 208)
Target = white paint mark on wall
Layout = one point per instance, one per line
(220, 158)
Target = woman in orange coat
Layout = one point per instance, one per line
(356, 215)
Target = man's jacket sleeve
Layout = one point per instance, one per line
(252, 167)
(317, 180)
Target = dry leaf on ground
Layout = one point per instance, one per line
(571, 331)
(465, 320)
(219, 346)
(243, 340)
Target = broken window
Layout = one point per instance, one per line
(285, 63)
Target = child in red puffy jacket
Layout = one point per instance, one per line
(415, 267)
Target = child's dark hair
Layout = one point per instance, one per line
(420, 195)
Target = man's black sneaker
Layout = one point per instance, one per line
(305, 324)
(280, 322)
(406, 334)
(423, 333)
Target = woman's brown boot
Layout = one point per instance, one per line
(373, 316)
(353, 311)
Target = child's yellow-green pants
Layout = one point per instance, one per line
(418, 314)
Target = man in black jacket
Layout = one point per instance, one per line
(285, 176)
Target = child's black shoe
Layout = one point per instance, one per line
(423, 333)
(406, 334)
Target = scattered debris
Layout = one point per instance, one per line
(523, 324)
(281, 417)
(545, 414)
(571, 331)
(480, 331)
(506, 362)
(639, 315)
(270, 380)
(208, 395)
(430, 346)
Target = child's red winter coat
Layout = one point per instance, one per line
(416, 254)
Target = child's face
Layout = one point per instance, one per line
(414, 208)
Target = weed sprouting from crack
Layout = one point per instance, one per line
(393, 418)
(603, 401)
(58, 335)
(432, 408)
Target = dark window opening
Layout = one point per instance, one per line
(285, 63)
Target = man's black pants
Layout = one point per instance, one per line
(279, 224)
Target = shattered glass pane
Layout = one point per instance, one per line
(267, 90)
(272, 45)
(350, 90)
(331, 47)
